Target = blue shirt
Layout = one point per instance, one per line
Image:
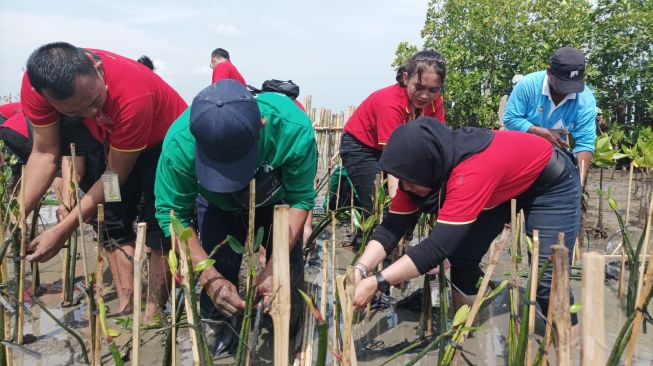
(530, 104)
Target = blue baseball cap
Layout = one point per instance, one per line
(225, 120)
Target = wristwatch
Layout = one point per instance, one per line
(381, 283)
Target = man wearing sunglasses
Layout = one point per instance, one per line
(127, 109)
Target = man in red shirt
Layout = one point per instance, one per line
(126, 108)
(9, 110)
(223, 68)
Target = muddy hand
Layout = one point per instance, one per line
(224, 295)
(45, 246)
(365, 291)
(264, 284)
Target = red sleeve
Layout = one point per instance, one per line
(220, 72)
(10, 109)
(133, 124)
(388, 118)
(36, 107)
(467, 195)
(401, 203)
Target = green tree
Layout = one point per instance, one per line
(485, 42)
(622, 59)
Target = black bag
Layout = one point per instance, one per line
(279, 86)
(269, 189)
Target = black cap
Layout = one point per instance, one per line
(568, 67)
(225, 121)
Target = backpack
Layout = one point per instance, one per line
(279, 86)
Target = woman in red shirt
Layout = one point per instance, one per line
(466, 176)
(416, 93)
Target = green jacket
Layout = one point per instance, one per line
(286, 144)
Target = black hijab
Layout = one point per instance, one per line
(425, 151)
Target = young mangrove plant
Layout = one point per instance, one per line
(322, 329)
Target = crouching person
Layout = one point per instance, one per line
(465, 173)
(210, 154)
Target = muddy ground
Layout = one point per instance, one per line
(387, 331)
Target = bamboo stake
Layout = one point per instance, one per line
(593, 341)
(250, 251)
(549, 322)
(637, 322)
(280, 308)
(494, 258)
(79, 215)
(530, 349)
(21, 274)
(9, 358)
(190, 313)
(138, 264)
(99, 271)
(346, 288)
(561, 315)
(173, 301)
(325, 276)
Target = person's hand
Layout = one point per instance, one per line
(62, 212)
(46, 245)
(224, 295)
(365, 291)
(556, 137)
(264, 284)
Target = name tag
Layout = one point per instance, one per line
(111, 187)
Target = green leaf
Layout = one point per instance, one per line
(199, 267)
(356, 216)
(177, 227)
(461, 315)
(235, 245)
(575, 308)
(258, 239)
(369, 223)
(186, 234)
(113, 332)
(172, 262)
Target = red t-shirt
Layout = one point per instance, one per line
(504, 170)
(381, 112)
(227, 70)
(17, 123)
(10, 109)
(140, 106)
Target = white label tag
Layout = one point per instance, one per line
(111, 187)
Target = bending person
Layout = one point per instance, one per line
(465, 174)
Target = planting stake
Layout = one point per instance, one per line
(99, 270)
(346, 288)
(325, 273)
(494, 258)
(190, 312)
(80, 216)
(280, 307)
(173, 301)
(642, 302)
(593, 341)
(21, 274)
(138, 264)
(530, 349)
(561, 316)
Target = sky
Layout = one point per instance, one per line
(337, 51)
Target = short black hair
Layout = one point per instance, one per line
(146, 61)
(55, 66)
(220, 52)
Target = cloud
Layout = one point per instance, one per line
(223, 29)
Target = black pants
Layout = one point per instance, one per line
(362, 165)
(137, 193)
(215, 224)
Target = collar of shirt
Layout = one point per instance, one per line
(546, 92)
